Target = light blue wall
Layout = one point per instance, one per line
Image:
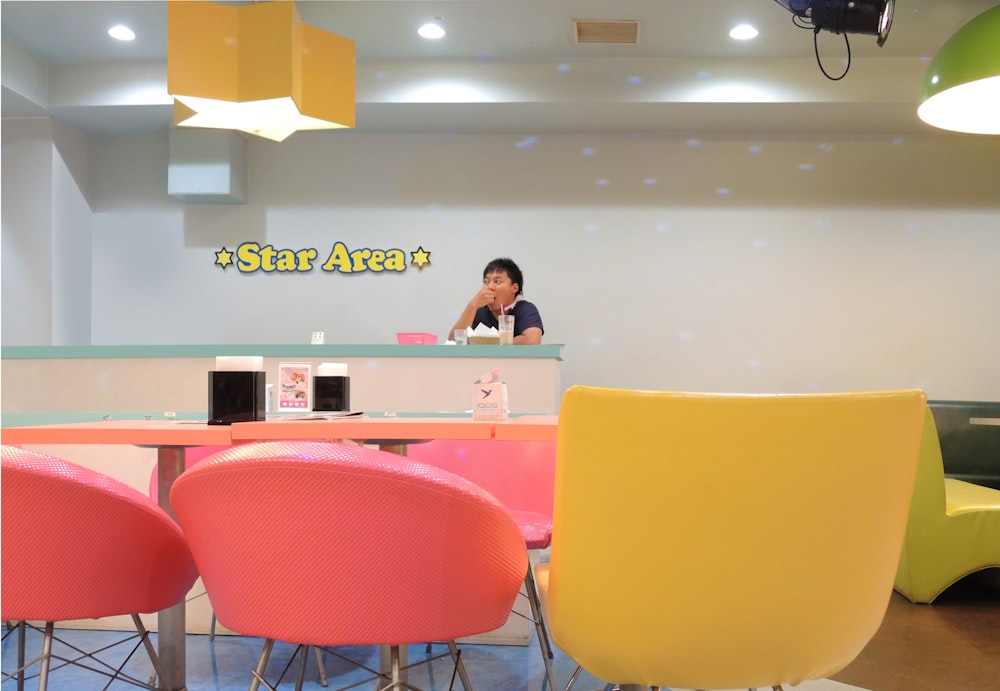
(768, 264)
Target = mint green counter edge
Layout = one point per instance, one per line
(290, 350)
(32, 419)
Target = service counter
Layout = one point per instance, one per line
(159, 379)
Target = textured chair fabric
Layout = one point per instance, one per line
(953, 528)
(78, 544)
(192, 455)
(726, 541)
(327, 544)
(521, 475)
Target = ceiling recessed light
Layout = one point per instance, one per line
(121, 32)
(743, 32)
(432, 29)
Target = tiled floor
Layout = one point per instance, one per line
(225, 665)
(952, 645)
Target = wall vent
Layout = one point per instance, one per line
(624, 31)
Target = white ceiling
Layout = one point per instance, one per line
(513, 66)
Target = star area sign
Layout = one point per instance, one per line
(251, 257)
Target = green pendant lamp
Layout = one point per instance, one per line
(961, 89)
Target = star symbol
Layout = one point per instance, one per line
(421, 257)
(224, 258)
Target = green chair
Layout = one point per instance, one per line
(953, 529)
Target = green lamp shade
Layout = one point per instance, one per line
(961, 89)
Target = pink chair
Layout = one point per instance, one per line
(78, 544)
(521, 475)
(192, 455)
(324, 544)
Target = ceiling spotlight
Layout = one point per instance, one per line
(433, 29)
(743, 32)
(121, 32)
(845, 17)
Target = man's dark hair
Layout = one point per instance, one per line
(508, 266)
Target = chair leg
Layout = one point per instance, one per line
(300, 675)
(211, 629)
(21, 626)
(459, 665)
(258, 672)
(573, 677)
(43, 675)
(151, 652)
(323, 681)
(540, 630)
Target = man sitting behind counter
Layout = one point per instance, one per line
(502, 290)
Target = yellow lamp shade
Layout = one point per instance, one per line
(256, 68)
(961, 88)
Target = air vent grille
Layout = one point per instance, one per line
(607, 31)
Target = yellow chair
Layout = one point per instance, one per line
(953, 530)
(726, 541)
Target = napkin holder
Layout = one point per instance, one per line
(331, 392)
(489, 397)
(235, 396)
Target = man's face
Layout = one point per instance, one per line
(503, 288)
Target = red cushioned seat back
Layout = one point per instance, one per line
(79, 544)
(322, 543)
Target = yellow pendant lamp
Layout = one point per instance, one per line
(961, 88)
(256, 68)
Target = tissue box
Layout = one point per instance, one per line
(484, 340)
(415, 338)
(236, 397)
(489, 401)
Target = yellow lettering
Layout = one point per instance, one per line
(395, 260)
(359, 257)
(285, 260)
(305, 258)
(375, 263)
(267, 258)
(248, 257)
(338, 259)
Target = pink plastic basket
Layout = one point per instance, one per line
(415, 338)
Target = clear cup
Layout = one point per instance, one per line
(506, 322)
(461, 336)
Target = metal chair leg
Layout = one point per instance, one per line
(460, 666)
(323, 681)
(300, 675)
(543, 638)
(43, 675)
(158, 669)
(20, 654)
(258, 672)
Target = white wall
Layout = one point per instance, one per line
(762, 264)
(26, 211)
